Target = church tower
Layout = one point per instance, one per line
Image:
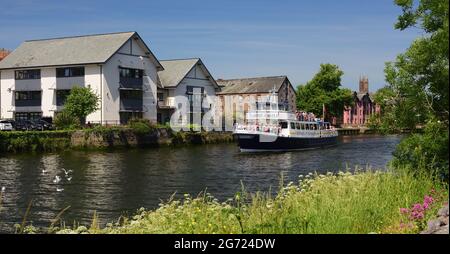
(364, 84)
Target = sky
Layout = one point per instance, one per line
(235, 39)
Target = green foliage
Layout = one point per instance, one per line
(81, 102)
(427, 151)
(16, 141)
(324, 89)
(419, 78)
(362, 202)
(65, 121)
(418, 90)
(141, 126)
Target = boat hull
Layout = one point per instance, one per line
(256, 143)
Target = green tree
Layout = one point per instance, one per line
(324, 89)
(81, 102)
(419, 77)
(419, 84)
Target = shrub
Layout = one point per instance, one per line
(141, 126)
(428, 151)
(64, 120)
(34, 141)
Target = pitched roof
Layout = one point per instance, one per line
(360, 96)
(87, 49)
(176, 70)
(251, 85)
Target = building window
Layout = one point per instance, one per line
(27, 115)
(131, 73)
(160, 97)
(125, 117)
(61, 96)
(28, 95)
(28, 74)
(70, 72)
(131, 94)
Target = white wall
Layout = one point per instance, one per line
(103, 80)
(6, 97)
(196, 77)
(111, 95)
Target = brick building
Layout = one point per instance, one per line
(363, 106)
(3, 53)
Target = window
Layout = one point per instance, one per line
(283, 125)
(125, 117)
(292, 126)
(69, 72)
(61, 96)
(297, 125)
(131, 73)
(160, 97)
(28, 95)
(28, 74)
(131, 94)
(27, 115)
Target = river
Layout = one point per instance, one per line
(119, 182)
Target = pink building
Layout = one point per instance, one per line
(363, 107)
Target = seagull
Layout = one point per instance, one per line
(59, 189)
(57, 179)
(69, 178)
(67, 172)
(3, 189)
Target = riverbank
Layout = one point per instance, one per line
(360, 202)
(103, 138)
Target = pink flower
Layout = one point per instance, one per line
(417, 207)
(428, 200)
(404, 210)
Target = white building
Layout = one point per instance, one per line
(179, 78)
(119, 67)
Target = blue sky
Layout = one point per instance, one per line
(234, 38)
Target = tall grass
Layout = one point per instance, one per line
(360, 202)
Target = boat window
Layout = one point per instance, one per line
(292, 126)
(283, 125)
(307, 126)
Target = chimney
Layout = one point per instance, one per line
(364, 84)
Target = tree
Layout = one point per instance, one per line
(81, 102)
(419, 87)
(324, 89)
(419, 77)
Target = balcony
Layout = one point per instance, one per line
(131, 105)
(28, 103)
(168, 103)
(128, 83)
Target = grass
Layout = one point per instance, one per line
(360, 202)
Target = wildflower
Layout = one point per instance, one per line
(404, 210)
(428, 200)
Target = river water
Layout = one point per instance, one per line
(119, 182)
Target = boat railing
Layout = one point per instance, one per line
(258, 129)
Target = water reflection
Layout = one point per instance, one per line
(113, 183)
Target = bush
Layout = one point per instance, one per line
(428, 151)
(64, 121)
(141, 126)
(34, 141)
